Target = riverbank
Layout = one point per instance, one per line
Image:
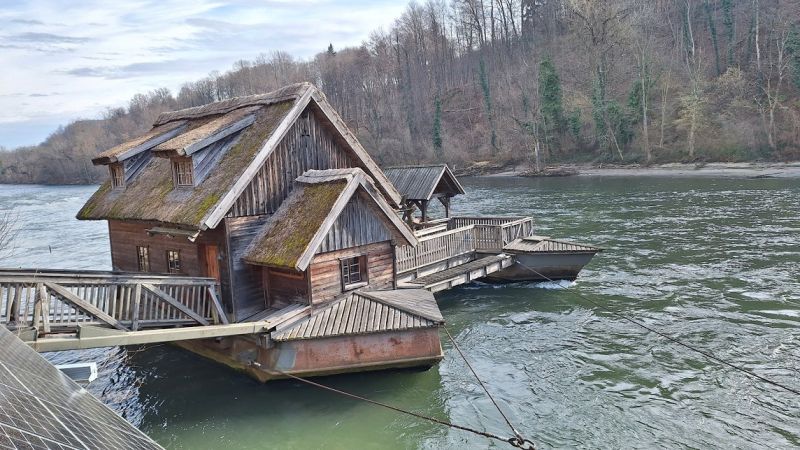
(726, 170)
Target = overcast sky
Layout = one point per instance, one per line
(61, 61)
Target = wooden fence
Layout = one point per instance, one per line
(435, 248)
(464, 235)
(55, 300)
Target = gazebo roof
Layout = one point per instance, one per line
(424, 182)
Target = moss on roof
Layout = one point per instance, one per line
(290, 230)
(152, 196)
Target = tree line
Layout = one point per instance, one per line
(541, 82)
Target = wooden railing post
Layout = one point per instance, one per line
(137, 299)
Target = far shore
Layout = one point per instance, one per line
(716, 169)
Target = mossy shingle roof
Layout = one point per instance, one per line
(152, 196)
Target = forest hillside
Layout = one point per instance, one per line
(517, 81)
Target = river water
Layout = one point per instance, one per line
(713, 262)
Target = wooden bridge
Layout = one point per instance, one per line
(60, 310)
(458, 250)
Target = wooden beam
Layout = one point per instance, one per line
(65, 294)
(174, 303)
(218, 306)
(92, 336)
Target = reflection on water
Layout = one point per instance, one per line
(713, 262)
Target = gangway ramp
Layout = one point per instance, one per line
(54, 310)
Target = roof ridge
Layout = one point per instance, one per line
(285, 93)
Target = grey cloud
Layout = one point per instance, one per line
(138, 69)
(45, 38)
(27, 21)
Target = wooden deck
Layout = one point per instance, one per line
(462, 274)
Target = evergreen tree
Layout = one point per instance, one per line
(794, 53)
(487, 98)
(550, 99)
(331, 51)
(437, 129)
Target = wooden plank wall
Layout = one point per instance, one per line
(326, 277)
(246, 285)
(307, 145)
(285, 286)
(357, 225)
(125, 236)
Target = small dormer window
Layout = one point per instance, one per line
(182, 172)
(117, 175)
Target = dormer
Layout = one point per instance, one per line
(126, 160)
(182, 171)
(193, 153)
(117, 172)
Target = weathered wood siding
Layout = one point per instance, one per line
(125, 236)
(284, 286)
(246, 284)
(308, 144)
(326, 276)
(357, 225)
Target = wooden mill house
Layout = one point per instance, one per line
(272, 196)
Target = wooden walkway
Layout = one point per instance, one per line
(56, 310)
(462, 274)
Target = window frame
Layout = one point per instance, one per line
(347, 274)
(183, 172)
(174, 265)
(143, 258)
(117, 172)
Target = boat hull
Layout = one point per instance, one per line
(544, 267)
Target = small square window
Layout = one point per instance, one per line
(143, 257)
(117, 175)
(173, 261)
(182, 171)
(353, 272)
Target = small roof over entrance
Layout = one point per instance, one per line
(291, 237)
(419, 184)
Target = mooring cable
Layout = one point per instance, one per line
(494, 402)
(515, 441)
(674, 340)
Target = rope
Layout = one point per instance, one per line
(455, 344)
(676, 341)
(515, 441)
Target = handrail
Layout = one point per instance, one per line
(60, 299)
(436, 248)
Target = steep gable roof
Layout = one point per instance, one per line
(292, 235)
(258, 122)
(422, 182)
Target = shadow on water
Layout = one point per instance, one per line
(713, 262)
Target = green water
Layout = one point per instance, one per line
(714, 262)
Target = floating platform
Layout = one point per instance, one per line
(361, 331)
(540, 258)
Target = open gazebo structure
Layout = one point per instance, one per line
(418, 185)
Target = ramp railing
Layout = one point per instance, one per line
(60, 301)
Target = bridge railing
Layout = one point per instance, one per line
(494, 233)
(54, 300)
(436, 248)
(460, 236)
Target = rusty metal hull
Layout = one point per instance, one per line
(268, 360)
(544, 266)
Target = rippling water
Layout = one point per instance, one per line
(714, 262)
